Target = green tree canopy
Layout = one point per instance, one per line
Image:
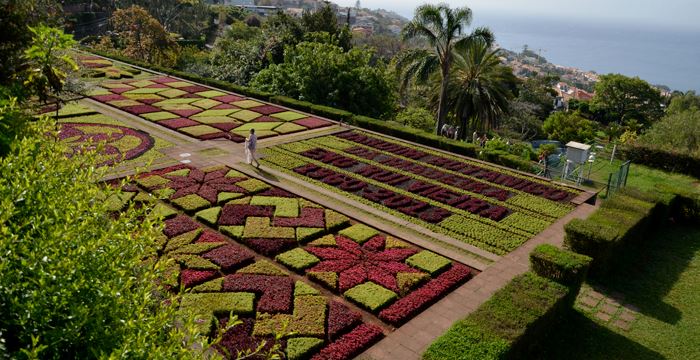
(141, 36)
(444, 30)
(326, 74)
(621, 98)
(479, 88)
(325, 20)
(570, 126)
(416, 117)
(683, 102)
(679, 131)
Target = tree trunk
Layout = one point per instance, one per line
(442, 106)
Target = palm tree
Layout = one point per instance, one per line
(479, 88)
(443, 29)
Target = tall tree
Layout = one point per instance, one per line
(443, 29)
(479, 88)
(620, 98)
(141, 36)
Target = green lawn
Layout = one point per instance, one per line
(661, 278)
(641, 177)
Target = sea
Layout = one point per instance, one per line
(659, 55)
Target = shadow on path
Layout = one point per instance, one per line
(268, 176)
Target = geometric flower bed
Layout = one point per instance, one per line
(492, 208)
(101, 67)
(384, 275)
(202, 112)
(119, 143)
(380, 273)
(222, 278)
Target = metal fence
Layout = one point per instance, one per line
(618, 179)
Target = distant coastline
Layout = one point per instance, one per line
(659, 56)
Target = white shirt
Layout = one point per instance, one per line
(252, 142)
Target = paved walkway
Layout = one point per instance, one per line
(410, 340)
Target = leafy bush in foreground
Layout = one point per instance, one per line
(74, 282)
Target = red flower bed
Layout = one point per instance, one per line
(275, 291)
(271, 247)
(351, 344)
(266, 119)
(308, 217)
(106, 98)
(235, 215)
(419, 299)
(186, 113)
(194, 89)
(229, 257)
(239, 339)
(228, 98)
(189, 277)
(267, 109)
(178, 123)
(224, 107)
(313, 123)
(164, 80)
(356, 264)
(211, 236)
(340, 319)
(140, 109)
(179, 225)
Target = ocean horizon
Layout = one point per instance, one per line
(661, 56)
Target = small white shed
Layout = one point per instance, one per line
(577, 153)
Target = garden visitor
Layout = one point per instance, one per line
(483, 140)
(250, 146)
(475, 137)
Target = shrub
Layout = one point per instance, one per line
(507, 325)
(565, 267)
(74, 283)
(663, 159)
(621, 220)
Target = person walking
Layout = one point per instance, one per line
(251, 144)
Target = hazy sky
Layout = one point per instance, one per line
(669, 13)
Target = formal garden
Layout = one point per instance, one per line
(131, 226)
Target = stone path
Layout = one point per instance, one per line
(410, 340)
(608, 309)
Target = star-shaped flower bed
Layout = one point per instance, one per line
(192, 189)
(198, 111)
(380, 273)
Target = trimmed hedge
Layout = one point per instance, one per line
(626, 218)
(565, 267)
(509, 325)
(654, 157)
